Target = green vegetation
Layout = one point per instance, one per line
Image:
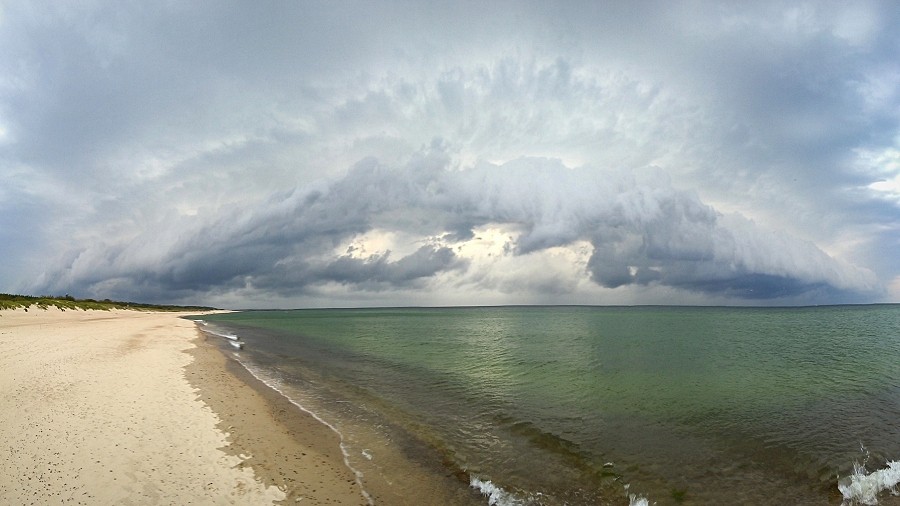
(8, 301)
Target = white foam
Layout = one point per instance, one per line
(633, 499)
(637, 500)
(496, 495)
(863, 488)
(219, 334)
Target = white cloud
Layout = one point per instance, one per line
(883, 168)
(889, 188)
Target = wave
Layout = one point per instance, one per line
(231, 337)
(863, 488)
(496, 496)
(636, 500)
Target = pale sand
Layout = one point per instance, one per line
(96, 407)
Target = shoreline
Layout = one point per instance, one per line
(287, 448)
(129, 407)
(390, 465)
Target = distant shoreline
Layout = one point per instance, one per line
(14, 301)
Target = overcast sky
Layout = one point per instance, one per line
(293, 154)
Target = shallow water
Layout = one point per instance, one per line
(591, 405)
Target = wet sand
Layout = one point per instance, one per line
(286, 447)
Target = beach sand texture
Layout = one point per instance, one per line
(99, 408)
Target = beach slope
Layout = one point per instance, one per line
(96, 407)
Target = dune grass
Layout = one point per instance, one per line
(10, 301)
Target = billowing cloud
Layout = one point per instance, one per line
(588, 152)
(640, 230)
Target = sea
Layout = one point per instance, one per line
(572, 405)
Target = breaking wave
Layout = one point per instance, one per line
(863, 488)
(496, 496)
(206, 329)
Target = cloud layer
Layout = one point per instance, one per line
(637, 228)
(399, 153)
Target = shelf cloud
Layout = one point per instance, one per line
(640, 230)
(403, 153)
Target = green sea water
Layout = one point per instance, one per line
(597, 405)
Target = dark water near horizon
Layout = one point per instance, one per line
(598, 405)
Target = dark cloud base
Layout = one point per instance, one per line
(643, 232)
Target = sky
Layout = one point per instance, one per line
(320, 154)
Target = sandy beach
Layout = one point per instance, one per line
(128, 407)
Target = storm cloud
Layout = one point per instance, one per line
(641, 231)
(403, 153)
